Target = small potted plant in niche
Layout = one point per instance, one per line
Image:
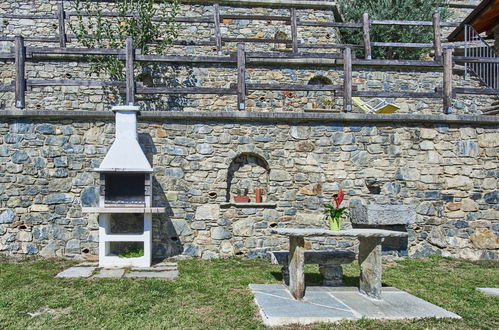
(241, 196)
(335, 213)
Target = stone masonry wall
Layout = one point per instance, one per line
(218, 76)
(448, 172)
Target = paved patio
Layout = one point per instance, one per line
(333, 304)
(164, 271)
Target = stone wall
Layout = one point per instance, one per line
(220, 76)
(447, 171)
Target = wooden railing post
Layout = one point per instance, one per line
(218, 33)
(20, 59)
(294, 30)
(366, 36)
(347, 80)
(447, 88)
(437, 41)
(130, 81)
(62, 26)
(241, 77)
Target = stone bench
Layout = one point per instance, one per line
(329, 264)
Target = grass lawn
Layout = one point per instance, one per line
(215, 294)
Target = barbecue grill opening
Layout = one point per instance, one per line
(126, 188)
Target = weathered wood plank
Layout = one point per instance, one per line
(75, 51)
(330, 46)
(20, 16)
(218, 33)
(295, 267)
(410, 63)
(479, 91)
(437, 36)
(294, 30)
(185, 90)
(184, 59)
(258, 40)
(293, 87)
(65, 82)
(330, 24)
(402, 44)
(366, 36)
(7, 88)
(292, 55)
(447, 85)
(397, 94)
(468, 59)
(415, 23)
(62, 24)
(31, 39)
(20, 87)
(347, 80)
(241, 77)
(129, 67)
(256, 17)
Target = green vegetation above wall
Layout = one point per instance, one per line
(409, 10)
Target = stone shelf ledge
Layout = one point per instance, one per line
(123, 209)
(248, 205)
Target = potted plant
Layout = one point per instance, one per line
(336, 213)
(241, 196)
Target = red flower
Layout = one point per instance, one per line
(338, 198)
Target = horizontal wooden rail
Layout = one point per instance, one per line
(415, 95)
(185, 90)
(402, 44)
(67, 82)
(293, 87)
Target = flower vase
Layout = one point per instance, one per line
(334, 223)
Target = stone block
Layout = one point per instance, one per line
(373, 214)
(7, 216)
(208, 212)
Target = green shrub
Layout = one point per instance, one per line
(409, 10)
(149, 36)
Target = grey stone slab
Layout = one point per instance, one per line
(491, 291)
(373, 214)
(111, 273)
(155, 269)
(75, 272)
(394, 304)
(333, 304)
(308, 232)
(166, 275)
(277, 306)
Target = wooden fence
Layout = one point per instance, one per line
(443, 59)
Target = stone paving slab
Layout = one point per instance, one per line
(333, 304)
(490, 291)
(110, 273)
(166, 275)
(75, 272)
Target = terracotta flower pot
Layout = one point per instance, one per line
(241, 199)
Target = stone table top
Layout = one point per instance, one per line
(361, 233)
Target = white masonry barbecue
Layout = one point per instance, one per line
(125, 201)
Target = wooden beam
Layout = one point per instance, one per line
(477, 91)
(365, 36)
(415, 23)
(414, 95)
(62, 24)
(294, 30)
(347, 80)
(20, 52)
(402, 44)
(185, 90)
(65, 82)
(330, 24)
(447, 88)
(130, 82)
(293, 87)
(437, 37)
(258, 40)
(241, 77)
(256, 17)
(218, 33)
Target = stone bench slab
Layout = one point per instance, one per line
(315, 257)
(359, 233)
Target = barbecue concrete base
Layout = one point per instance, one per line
(334, 304)
(164, 271)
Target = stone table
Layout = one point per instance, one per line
(369, 256)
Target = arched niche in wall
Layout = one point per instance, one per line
(246, 172)
(320, 80)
